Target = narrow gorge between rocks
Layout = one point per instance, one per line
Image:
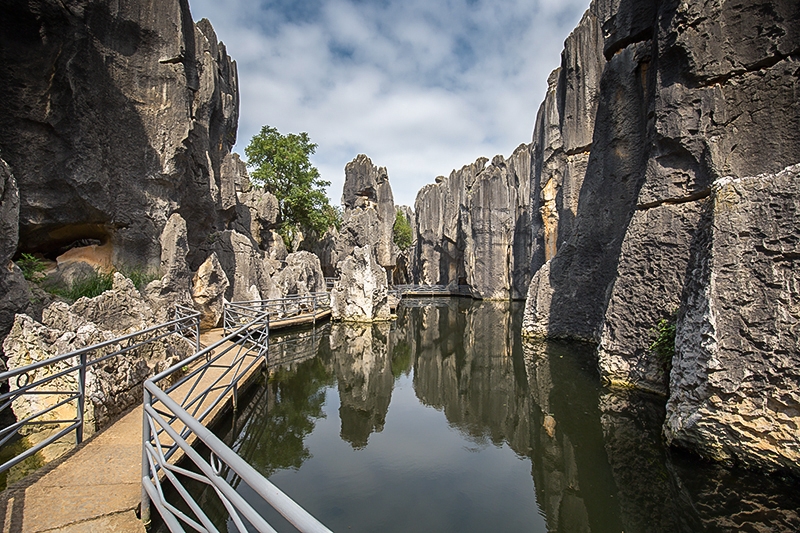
(448, 420)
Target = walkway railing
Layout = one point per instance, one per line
(174, 420)
(330, 282)
(278, 309)
(42, 383)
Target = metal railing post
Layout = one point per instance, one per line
(144, 509)
(81, 398)
(197, 334)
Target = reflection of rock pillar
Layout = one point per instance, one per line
(365, 379)
(649, 499)
(554, 467)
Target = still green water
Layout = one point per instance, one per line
(445, 420)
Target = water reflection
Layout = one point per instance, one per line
(363, 369)
(593, 458)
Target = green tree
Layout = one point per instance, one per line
(280, 164)
(402, 231)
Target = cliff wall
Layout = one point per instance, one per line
(473, 228)
(113, 117)
(687, 94)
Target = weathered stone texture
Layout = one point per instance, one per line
(14, 293)
(473, 228)
(689, 92)
(208, 291)
(736, 374)
(361, 292)
(651, 272)
(585, 265)
(301, 276)
(111, 387)
(113, 117)
(244, 264)
(439, 253)
(369, 211)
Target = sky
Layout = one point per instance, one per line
(420, 86)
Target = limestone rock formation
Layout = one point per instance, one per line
(113, 117)
(110, 387)
(403, 273)
(361, 292)
(14, 293)
(474, 228)
(668, 98)
(173, 288)
(120, 310)
(367, 188)
(367, 220)
(734, 384)
(301, 276)
(244, 265)
(208, 291)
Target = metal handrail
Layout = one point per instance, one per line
(278, 309)
(186, 321)
(164, 416)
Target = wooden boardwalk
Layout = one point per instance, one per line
(97, 486)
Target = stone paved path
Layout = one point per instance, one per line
(95, 488)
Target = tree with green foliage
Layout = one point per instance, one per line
(280, 164)
(403, 236)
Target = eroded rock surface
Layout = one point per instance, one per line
(368, 217)
(209, 285)
(111, 387)
(734, 387)
(676, 96)
(301, 276)
(361, 292)
(244, 265)
(113, 117)
(473, 228)
(14, 293)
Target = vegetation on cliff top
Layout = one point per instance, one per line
(280, 164)
(401, 230)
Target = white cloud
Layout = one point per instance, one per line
(421, 87)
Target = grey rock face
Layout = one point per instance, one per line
(734, 384)
(685, 97)
(439, 253)
(473, 228)
(301, 276)
(244, 265)
(14, 293)
(111, 387)
(9, 214)
(367, 187)
(113, 117)
(120, 310)
(652, 266)
(403, 273)
(173, 288)
(368, 217)
(209, 285)
(361, 292)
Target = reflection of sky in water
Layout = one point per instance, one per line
(418, 474)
